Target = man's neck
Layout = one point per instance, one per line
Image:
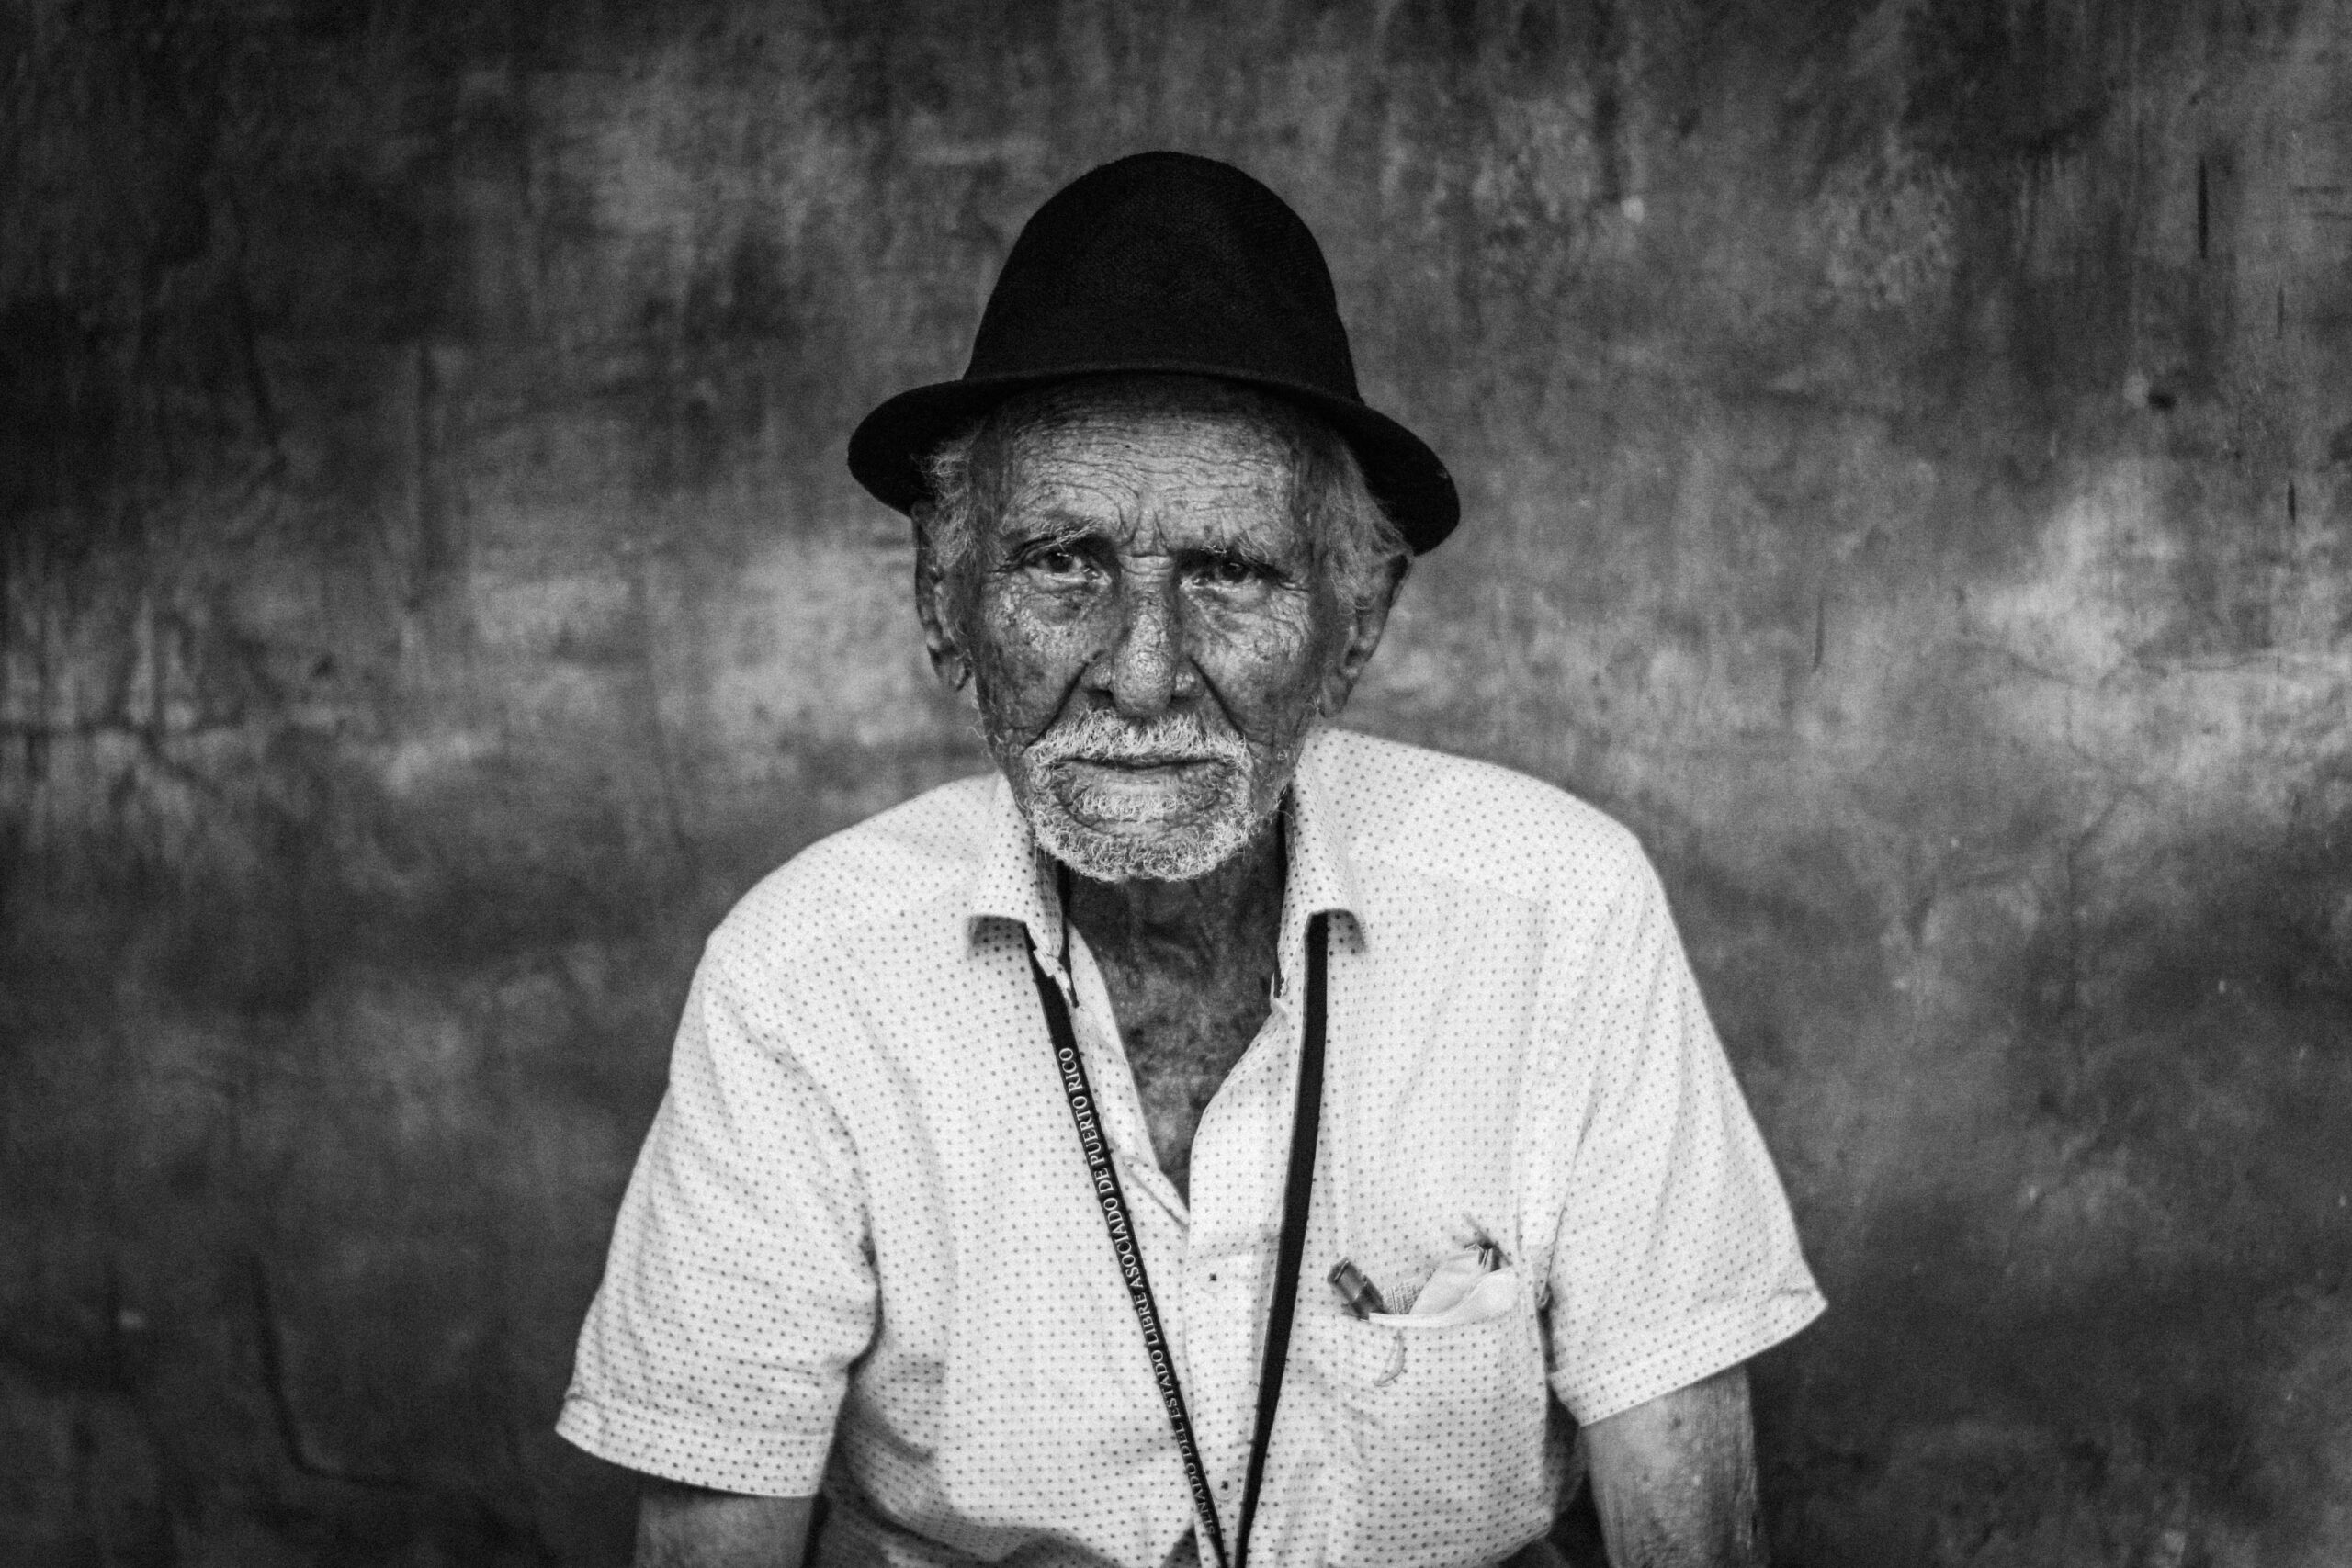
(1228, 918)
(1187, 966)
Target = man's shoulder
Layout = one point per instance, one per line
(917, 855)
(1463, 820)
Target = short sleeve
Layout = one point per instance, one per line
(738, 1288)
(1676, 1254)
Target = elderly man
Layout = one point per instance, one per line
(1220, 1137)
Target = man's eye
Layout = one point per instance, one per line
(1057, 560)
(1230, 572)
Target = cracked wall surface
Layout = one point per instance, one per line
(1907, 456)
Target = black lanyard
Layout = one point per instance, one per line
(1297, 1192)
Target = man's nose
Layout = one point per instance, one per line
(1150, 667)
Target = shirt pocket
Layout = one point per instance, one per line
(1441, 1431)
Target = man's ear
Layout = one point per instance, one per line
(1365, 625)
(934, 608)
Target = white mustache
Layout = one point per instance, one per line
(1097, 735)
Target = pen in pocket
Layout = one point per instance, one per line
(1359, 1295)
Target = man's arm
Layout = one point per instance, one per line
(1675, 1479)
(688, 1527)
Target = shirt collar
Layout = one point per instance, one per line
(1322, 872)
(1015, 878)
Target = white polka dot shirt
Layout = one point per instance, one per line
(861, 1250)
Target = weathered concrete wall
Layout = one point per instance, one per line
(1908, 454)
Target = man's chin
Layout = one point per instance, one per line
(1177, 850)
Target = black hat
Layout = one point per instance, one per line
(1163, 262)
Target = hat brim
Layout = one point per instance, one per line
(887, 450)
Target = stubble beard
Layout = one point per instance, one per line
(1209, 817)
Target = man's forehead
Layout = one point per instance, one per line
(1182, 443)
(1161, 410)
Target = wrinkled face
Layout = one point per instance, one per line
(1151, 634)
